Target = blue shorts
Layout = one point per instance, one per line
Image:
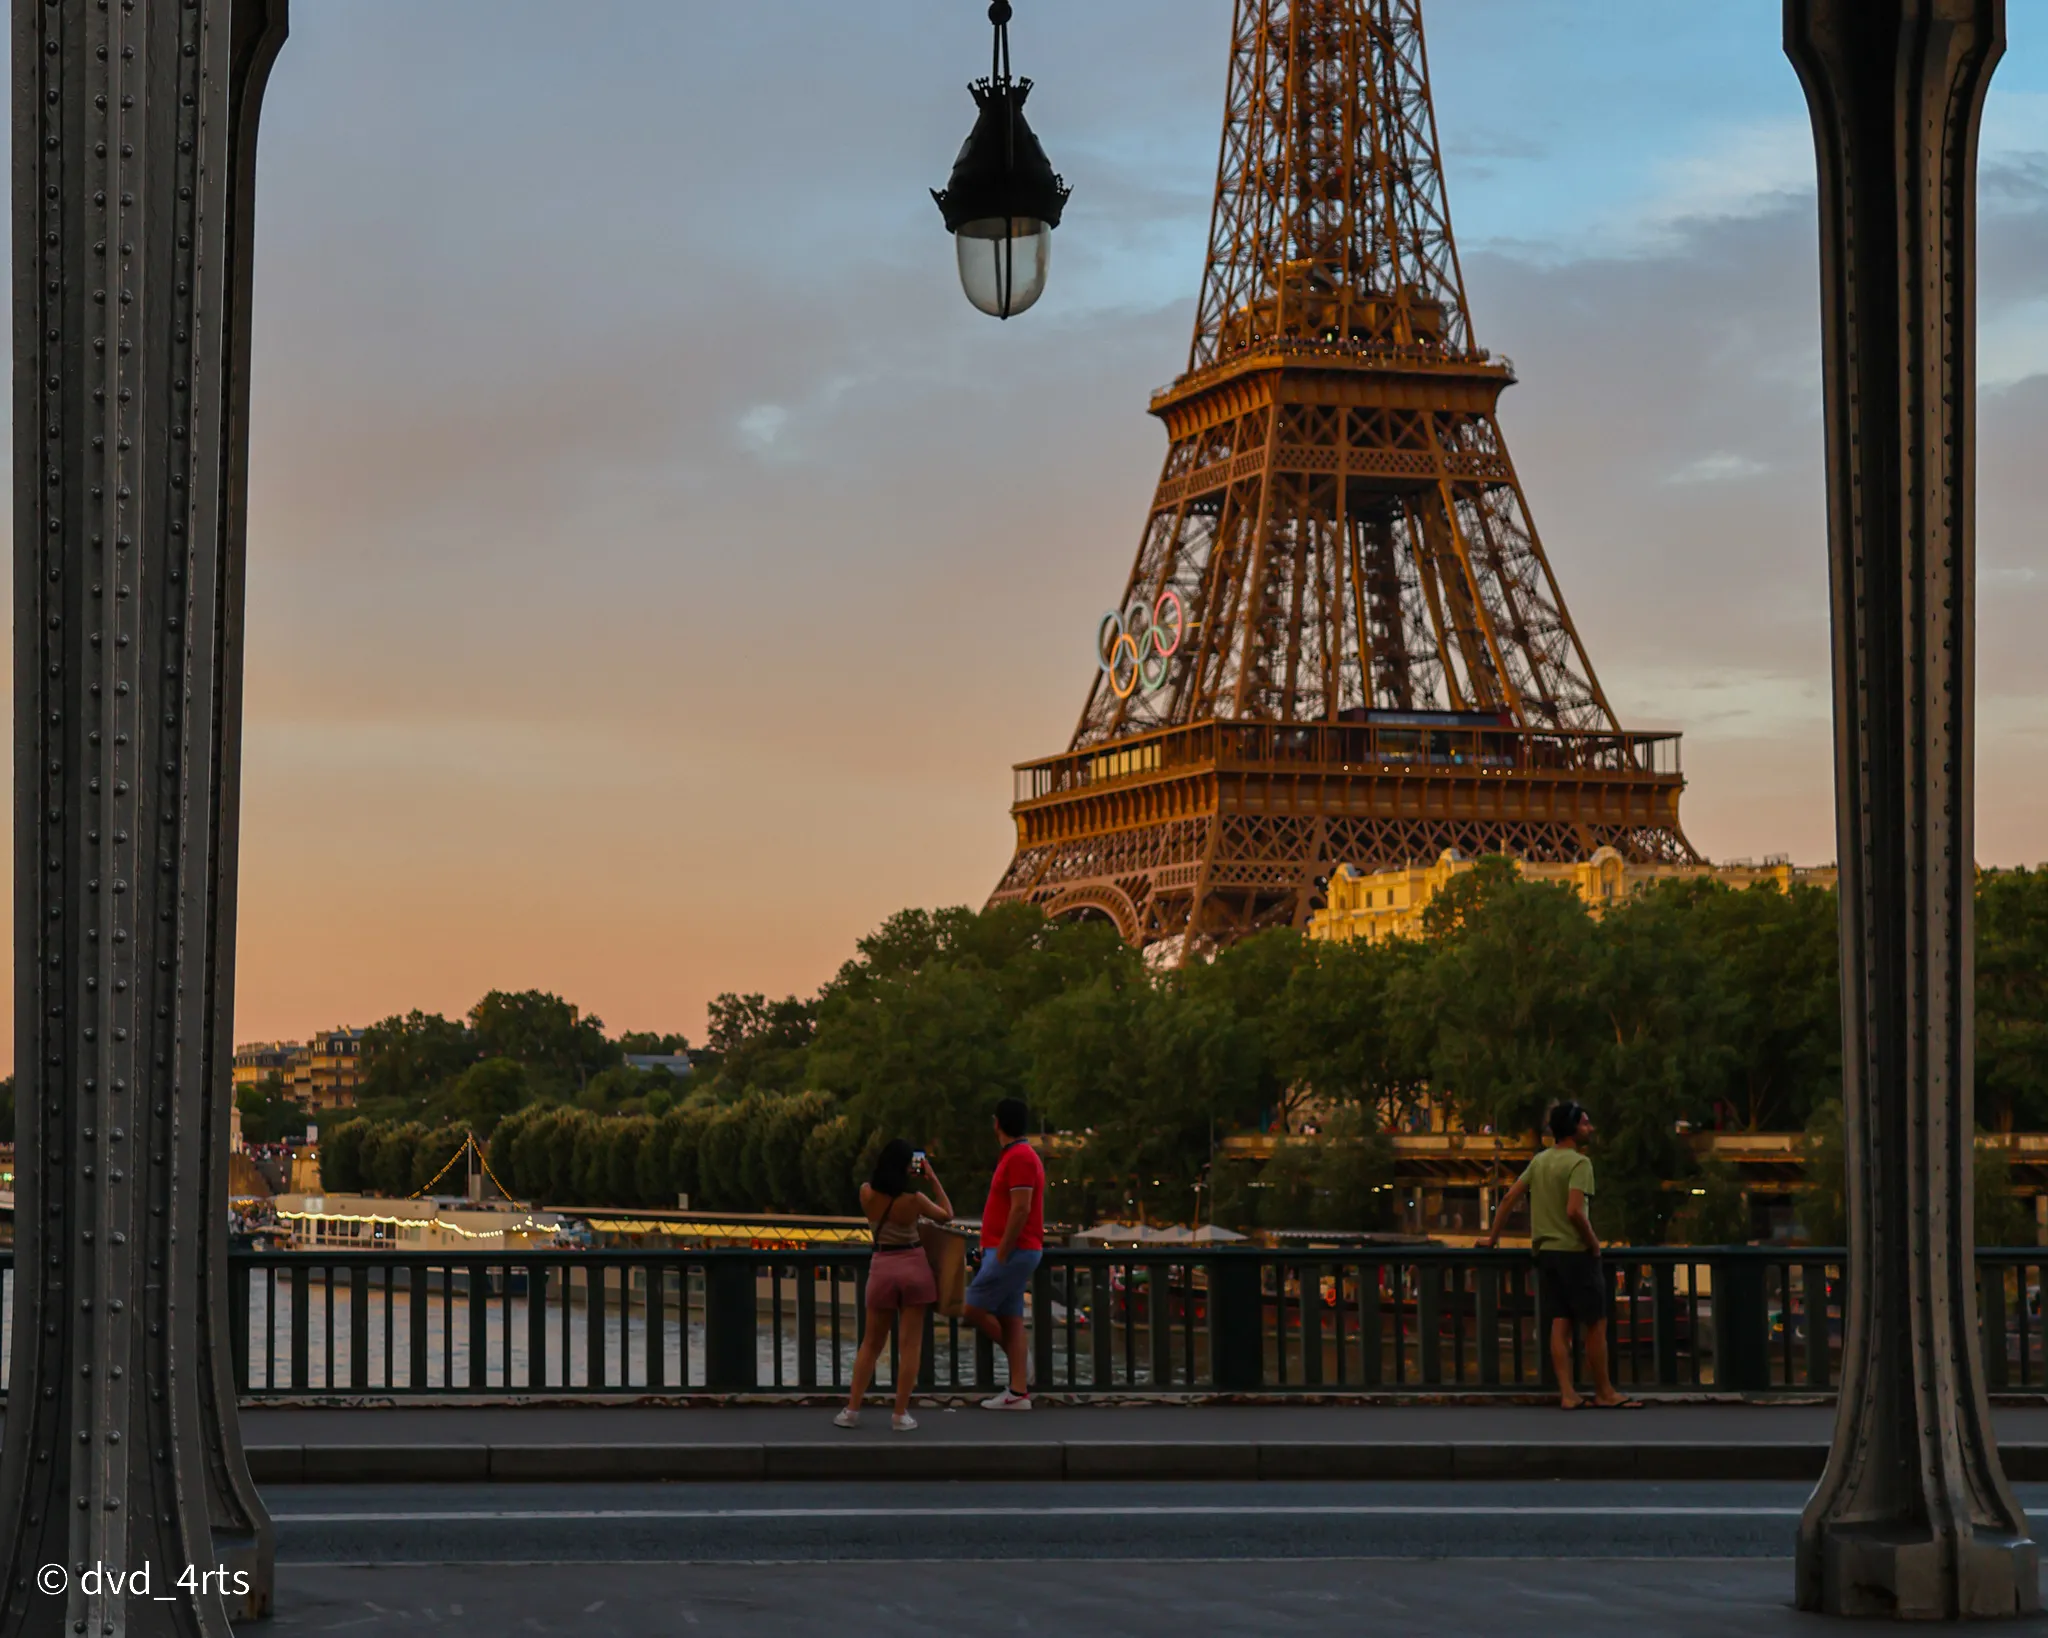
(998, 1288)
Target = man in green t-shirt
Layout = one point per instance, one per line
(1559, 1184)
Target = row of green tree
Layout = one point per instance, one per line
(1687, 1006)
(423, 1072)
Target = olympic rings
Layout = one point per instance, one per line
(1133, 647)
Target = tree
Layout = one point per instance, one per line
(388, 1159)
(1152, 1073)
(542, 1032)
(440, 1163)
(720, 1155)
(591, 1157)
(1248, 983)
(831, 1166)
(1340, 1034)
(341, 1157)
(487, 1092)
(686, 1129)
(2012, 999)
(407, 1058)
(924, 1058)
(1342, 1180)
(544, 1157)
(647, 1043)
(502, 1151)
(626, 1137)
(772, 1160)
(1501, 1007)
(1776, 958)
(758, 1043)
(270, 1114)
(619, 1089)
(1824, 1196)
(1662, 1057)
(1720, 1206)
(2000, 1219)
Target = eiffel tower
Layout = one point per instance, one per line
(1341, 641)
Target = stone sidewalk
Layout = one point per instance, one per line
(556, 1443)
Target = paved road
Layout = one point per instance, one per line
(705, 1523)
(1390, 1598)
(1601, 1560)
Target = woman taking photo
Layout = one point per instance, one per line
(900, 1284)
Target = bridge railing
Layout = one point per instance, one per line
(1200, 1321)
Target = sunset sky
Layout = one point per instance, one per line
(656, 567)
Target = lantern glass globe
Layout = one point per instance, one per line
(1003, 262)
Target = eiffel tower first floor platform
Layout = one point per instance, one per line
(1208, 832)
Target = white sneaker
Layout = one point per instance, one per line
(1008, 1401)
(903, 1424)
(847, 1419)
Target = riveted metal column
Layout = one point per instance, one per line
(1913, 1517)
(134, 144)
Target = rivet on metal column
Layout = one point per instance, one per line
(134, 154)
(1913, 1517)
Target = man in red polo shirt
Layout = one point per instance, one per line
(1012, 1241)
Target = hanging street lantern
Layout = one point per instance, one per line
(1003, 199)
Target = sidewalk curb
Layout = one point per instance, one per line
(1077, 1460)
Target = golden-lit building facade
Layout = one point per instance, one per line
(323, 1073)
(1377, 904)
(258, 1061)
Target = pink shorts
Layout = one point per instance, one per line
(901, 1277)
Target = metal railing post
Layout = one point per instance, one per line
(537, 1278)
(1664, 1325)
(731, 1358)
(1237, 1322)
(654, 1327)
(1991, 1322)
(1429, 1323)
(240, 1284)
(1487, 1323)
(359, 1327)
(807, 1325)
(1102, 1323)
(1159, 1321)
(1042, 1327)
(1371, 1358)
(1742, 1325)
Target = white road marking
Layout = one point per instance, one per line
(636, 1514)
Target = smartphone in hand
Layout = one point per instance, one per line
(917, 1161)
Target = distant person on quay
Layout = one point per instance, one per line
(1559, 1184)
(900, 1283)
(1012, 1241)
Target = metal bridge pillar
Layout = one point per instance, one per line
(1913, 1517)
(134, 153)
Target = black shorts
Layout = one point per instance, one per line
(1574, 1287)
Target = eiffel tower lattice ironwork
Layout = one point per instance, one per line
(1341, 641)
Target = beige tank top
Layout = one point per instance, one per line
(894, 1236)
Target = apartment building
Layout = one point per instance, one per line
(323, 1073)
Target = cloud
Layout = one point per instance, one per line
(1745, 171)
(1722, 466)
